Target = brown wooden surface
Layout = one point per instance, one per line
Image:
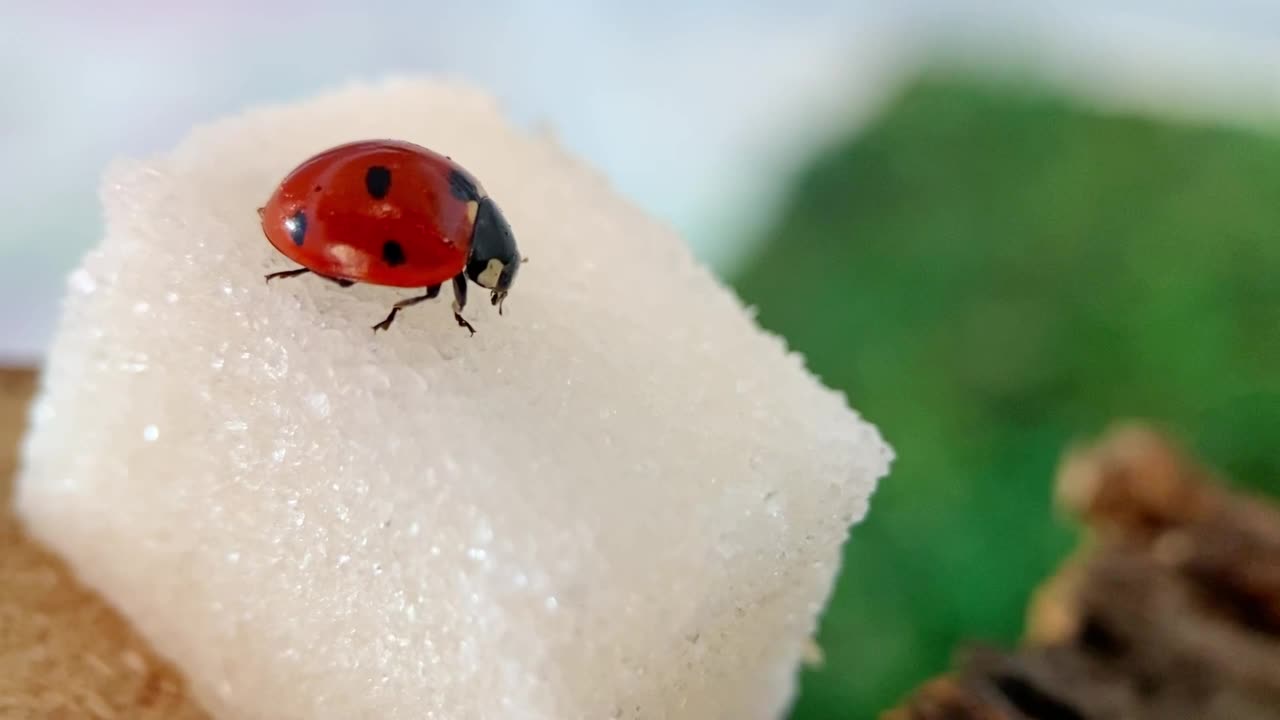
(63, 652)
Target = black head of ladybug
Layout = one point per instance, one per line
(494, 259)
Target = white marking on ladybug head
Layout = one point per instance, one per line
(489, 276)
(473, 208)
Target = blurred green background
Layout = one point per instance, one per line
(992, 272)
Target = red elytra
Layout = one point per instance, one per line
(387, 212)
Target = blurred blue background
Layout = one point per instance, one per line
(732, 96)
(1009, 222)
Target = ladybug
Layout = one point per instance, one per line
(391, 213)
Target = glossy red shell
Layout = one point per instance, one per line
(382, 212)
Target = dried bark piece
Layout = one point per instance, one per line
(1170, 610)
(1134, 483)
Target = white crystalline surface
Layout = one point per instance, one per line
(619, 500)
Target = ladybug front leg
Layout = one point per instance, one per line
(460, 300)
(431, 292)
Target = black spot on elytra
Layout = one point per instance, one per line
(377, 180)
(296, 226)
(318, 188)
(392, 253)
(461, 187)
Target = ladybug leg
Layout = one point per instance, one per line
(460, 301)
(339, 281)
(431, 292)
(287, 274)
(302, 271)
